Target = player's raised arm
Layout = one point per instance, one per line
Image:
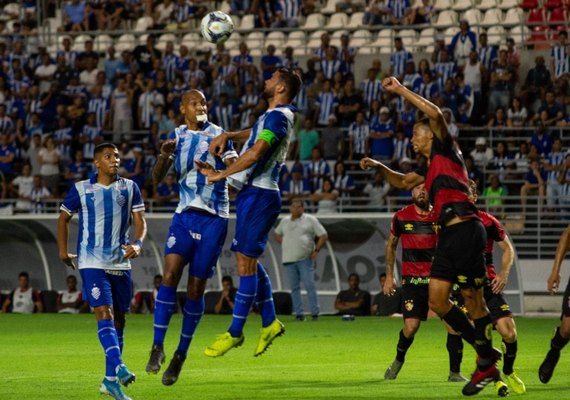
(563, 245)
(218, 144)
(398, 180)
(433, 112)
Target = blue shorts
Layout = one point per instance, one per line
(198, 237)
(257, 210)
(105, 288)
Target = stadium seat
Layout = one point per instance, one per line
(536, 16)
(384, 39)
(102, 43)
(237, 21)
(210, 300)
(255, 40)
(79, 42)
(143, 24)
(337, 21)
(283, 303)
(360, 38)
(247, 22)
(52, 24)
(49, 300)
(552, 4)
(330, 7)
(276, 38)
(446, 18)
(315, 39)
(314, 21)
(164, 39)
(508, 4)
(368, 49)
(234, 40)
(193, 39)
(335, 37)
(495, 35)
(450, 32)
(296, 39)
(492, 17)
(529, 4)
(558, 15)
(442, 4)
(226, 7)
(356, 19)
(426, 37)
(473, 16)
(12, 9)
(486, 4)
(539, 34)
(142, 39)
(462, 5)
(514, 16)
(126, 42)
(409, 38)
(520, 33)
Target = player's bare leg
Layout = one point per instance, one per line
(411, 326)
(560, 339)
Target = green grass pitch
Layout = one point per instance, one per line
(58, 357)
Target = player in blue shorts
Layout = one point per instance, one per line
(256, 174)
(198, 229)
(106, 204)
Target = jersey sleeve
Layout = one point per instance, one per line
(138, 203)
(72, 201)
(279, 228)
(496, 231)
(275, 128)
(318, 228)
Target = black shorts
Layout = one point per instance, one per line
(566, 301)
(497, 304)
(415, 301)
(460, 254)
(457, 299)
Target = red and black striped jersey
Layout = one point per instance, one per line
(418, 238)
(447, 182)
(495, 233)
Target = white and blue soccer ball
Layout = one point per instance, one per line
(216, 27)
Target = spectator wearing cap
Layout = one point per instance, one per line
(462, 43)
(559, 56)
(307, 139)
(326, 104)
(482, 154)
(349, 104)
(399, 58)
(502, 84)
(297, 185)
(381, 134)
(358, 137)
(371, 88)
(75, 16)
(332, 140)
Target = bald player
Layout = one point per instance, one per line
(197, 231)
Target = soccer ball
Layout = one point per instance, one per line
(216, 27)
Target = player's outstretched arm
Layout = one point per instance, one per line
(437, 122)
(500, 281)
(62, 238)
(398, 180)
(391, 247)
(218, 144)
(163, 162)
(563, 245)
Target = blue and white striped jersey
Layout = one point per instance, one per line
(193, 187)
(289, 9)
(92, 132)
(327, 103)
(554, 159)
(487, 56)
(358, 134)
(371, 90)
(104, 220)
(169, 63)
(99, 106)
(399, 59)
(264, 173)
(330, 67)
(561, 60)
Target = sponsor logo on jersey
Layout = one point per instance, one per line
(408, 227)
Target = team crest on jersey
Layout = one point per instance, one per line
(409, 305)
(171, 241)
(95, 292)
(408, 227)
(121, 200)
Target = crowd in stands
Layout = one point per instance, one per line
(56, 107)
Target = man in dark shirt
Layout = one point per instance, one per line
(225, 304)
(145, 55)
(385, 305)
(502, 83)
(349, 104)
(353, 300)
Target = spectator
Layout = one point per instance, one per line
(162, 14)
(326, 104)
(358, 136)
(24, 299)
(49, 158)
(225, 304)
(224, 113)
(38, 195)
(377, 13)
(551, 111)
(331, 65)
(421, 14)
(7, 156)
(353, 301)
(22, 185)
(542, 140)
(349, 104)
(145, 55)
(559, 62)
(287, 14)
(513, 58)
(400, 11)
(381, 134)
(343, 182)
(270, 62)
(75, 16)
(144, 302)
(167, 193)
(377, 190)
(521, 157)
(148, 100)
(482, 154)
(517, 113)
(502, 161)
(429, 87)
(120, 111)
(533, 184)
(297, 233)
(297, 185)
(248, 102)
(288, 59)
(536, 83)
(501, 83)
(90, 136)
(554, 165)
(401, 146)
(444, 69)
(371, 88)
(399, 58)
(473, 171)
(320, 52)
(347, 54)
(77, 170)
(332, 140)
(44, 73)
(487, 53)
(462, 43)
(498, 120)
(225, 77)
(70, 301)
(326, 198)
(384, 305)
(494, 195)
(407, 118)
(307, 139)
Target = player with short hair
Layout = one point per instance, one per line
(258, 204)
(198, 229)
(414, 226)
(106, 204)
(561, 335)
(459, 255)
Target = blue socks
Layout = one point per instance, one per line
(242, 303)
(110, 343)
(192, 313)
(163, 309)
(121, 338)
(264, 297)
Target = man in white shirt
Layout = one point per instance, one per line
(297, 233)
(44, 73)
(482, 155)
